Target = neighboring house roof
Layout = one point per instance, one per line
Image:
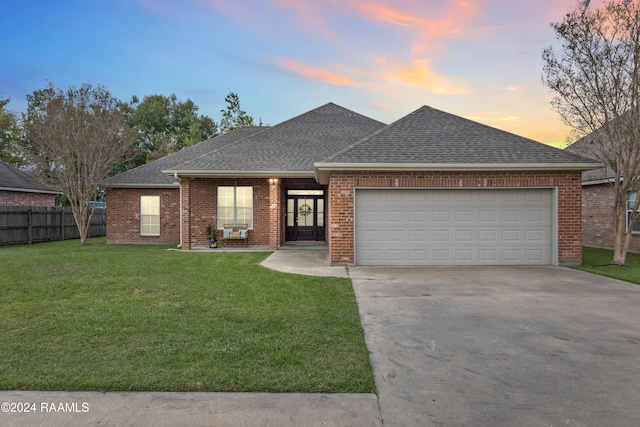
(13, 179)
(288, 149)
(430, 139)
(150, 174)
(585, 146)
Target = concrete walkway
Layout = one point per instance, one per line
(58, 409)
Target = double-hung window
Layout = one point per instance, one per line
(149, 215)
(235, 206)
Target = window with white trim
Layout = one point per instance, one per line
(235, 206)
(149, 215)
(631, 200)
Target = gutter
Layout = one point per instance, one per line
(239, 174)
(141, 185)
(180, 207)
(30, 190)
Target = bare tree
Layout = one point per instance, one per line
(595, 78)
(75, 138)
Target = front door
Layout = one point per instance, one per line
(305, 215)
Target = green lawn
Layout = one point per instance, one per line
(595, 260)
(124, 317)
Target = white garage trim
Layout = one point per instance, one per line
(456, 226)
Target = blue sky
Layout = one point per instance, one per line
(479, 59)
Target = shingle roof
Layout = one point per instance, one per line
(13, 179)
(291, 146)
(331, 136)
(430, 136)
(151, 174)
(585, 146)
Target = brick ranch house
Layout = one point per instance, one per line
(18, 188)
(430, 189)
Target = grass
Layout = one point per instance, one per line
(595, 260)
(124, 317)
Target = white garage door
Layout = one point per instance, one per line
(454, 227)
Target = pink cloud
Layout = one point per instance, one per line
(312, 72)
(418, 73)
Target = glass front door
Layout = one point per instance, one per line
(305, 215)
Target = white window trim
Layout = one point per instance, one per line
(220, 222)
(142, 233)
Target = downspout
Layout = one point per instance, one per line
(175, 175)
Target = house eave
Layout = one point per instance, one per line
(323, 170)
(141, 185)
(598, 181)
(239, 174)
(31, 190)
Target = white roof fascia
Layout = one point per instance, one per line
(239, 174)
(30, 190)
(139, 185)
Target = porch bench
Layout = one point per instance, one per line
(236, 232)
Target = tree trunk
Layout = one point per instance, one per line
(83, 219)
(620, 243)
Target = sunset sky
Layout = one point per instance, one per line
(479, 59)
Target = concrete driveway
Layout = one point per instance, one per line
(501, 346)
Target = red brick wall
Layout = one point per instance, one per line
(200, 197)
(123, 215)
(342, 184)
(17, 198)
(597, 218)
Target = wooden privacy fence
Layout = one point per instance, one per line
(24, 224)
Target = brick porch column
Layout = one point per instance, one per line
(275, 217)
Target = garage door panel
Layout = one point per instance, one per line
(487, 236)
(511, 216)
(440, 236)
(488, 255)
(534, 216)
(534, 255)
(464, 236)
(464, 216)
(454, 227)
(418, 236)
(441, 256)
(488, 217)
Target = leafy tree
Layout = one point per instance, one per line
(75, 138)
(234, 116)
(595, 77)
(10, 136)
(166, 125)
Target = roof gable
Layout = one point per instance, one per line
(13, 179)
(430, 136)
(150, 174)
(291, 146)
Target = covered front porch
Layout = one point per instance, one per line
(278, 212)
